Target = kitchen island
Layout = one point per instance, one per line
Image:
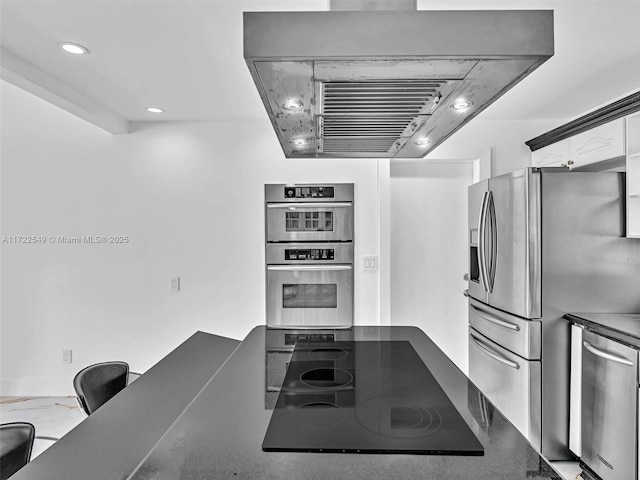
(220, 433)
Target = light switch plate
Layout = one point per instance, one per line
(370, 262)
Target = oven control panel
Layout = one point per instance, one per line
(309, 192)
(309, 254)
(293, 338)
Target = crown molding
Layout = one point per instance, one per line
(620, 108)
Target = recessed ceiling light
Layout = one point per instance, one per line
(300, 142)
(293, 105)
(154, 110)
(422, 141)
(74, 48)
(461, 105)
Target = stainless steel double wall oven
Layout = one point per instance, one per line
(309, 255)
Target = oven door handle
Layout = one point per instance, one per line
(296, 268)
(311, 205)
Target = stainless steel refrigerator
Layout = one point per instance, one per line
(542, 243)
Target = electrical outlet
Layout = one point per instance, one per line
(370, 331)
(67, 356)
(175, 284)
(370, 263)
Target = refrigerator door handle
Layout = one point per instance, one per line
(493, 245)
(482, 254)
(497, 321)
(492, 354)
(606, 355)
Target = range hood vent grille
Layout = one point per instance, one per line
(370, 116)
(383, 98)
(368, 145)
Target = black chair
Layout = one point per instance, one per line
(96, 384)
(16, 444)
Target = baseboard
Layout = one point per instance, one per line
(37, 387)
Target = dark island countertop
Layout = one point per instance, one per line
(110, 443)
(621, 327)
(219, 434)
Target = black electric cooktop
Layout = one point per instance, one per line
(365, 397)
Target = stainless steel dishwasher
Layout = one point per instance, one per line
(609, 407)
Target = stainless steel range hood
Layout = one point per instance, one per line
(380, 84)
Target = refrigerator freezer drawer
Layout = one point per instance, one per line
(510, 382)
(518, 335)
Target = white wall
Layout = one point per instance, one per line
(429, 251)
(190, 198)
(505, 137)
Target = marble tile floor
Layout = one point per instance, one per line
(568, 470)
(52, 416)
(55, 416)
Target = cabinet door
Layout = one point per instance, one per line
(633, 176)
(554, 155)
(600, 143)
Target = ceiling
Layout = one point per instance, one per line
(186, 57)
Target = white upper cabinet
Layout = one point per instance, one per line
(554, 155)
(606, 139)
(599, 144)
(604, 142)
(633, 176)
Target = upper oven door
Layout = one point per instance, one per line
(310, 222)
(309, 296)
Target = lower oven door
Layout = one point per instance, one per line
(510, 382)
(306, 296)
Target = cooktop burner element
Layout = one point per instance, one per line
(326, 378)
(365, 397)
(319, 415)
(328, 353)
(398, 417)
